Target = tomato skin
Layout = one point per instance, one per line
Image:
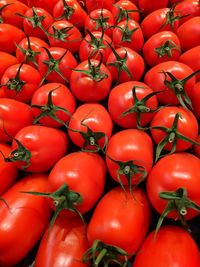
(121, 99)
(8, 171)
(137, 39)
(96, 117)
(15, 115)
(29, 75)
(189, 33)
(46, 144)
(173, 247)
(45, 4)
(8, 14)
(154, 78)
(78, 17)
(9, 36)
(6, 60)
(114, 219)
(61, 97)
(179, 166)
(134, 63)
(195, 99)
(84, 173)
(65, 245)
(97, 4)
(156, 40)
(192, 58)
(85, 88)
(28, 217)
(126, 145)
(187, 125)
(147, 7)
(196, 148)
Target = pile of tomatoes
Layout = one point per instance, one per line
(99, 133)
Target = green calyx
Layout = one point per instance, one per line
(101, 254)
(1, 9)
(67, 11)
(49, 110)
(126, 33)
(172, 135)
(63, 34)
(177, 201)
(123, 13)
(166, 49)
(63, 199)
(5, 202)
(101, 22)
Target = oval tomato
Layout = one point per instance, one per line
(195, 99)
(147, 7)
(46, 4)
(95, 4)
(6, 60)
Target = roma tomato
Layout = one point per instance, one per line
(196, 147)
(6, 60)
(147, 7)
(97, 118)
(173, 245)
(95, 4)
(45, 4)
(183, 170)
(28, 216)
(65, 245)
(8, 171)
(121, 100)
(15, 115)
(21, 81)
(160, 47)
(46, 146)
(129, 156)
(195, 100)
(61, 97)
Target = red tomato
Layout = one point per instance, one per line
(131, 145)
(93, 84)
(160, 47)
(131, 60)
(189, 33)
(66, 35)
(8, 171)
(58, 64)
(187, 125)
(95, 4)
(149, 6)
(2, 93)
(84, 173)
(173, 246)
(183, 170)
(15, 115)
(121, 221)
(61, 97)
(64, 246)
(47, 145)
(196, 147)
(8, 13)
(72, 11)
(9, 36)
(28, 216)
(129, 35)
(21, 82)
(6, 60)
(195, 99)
(121, 100)
(192, 58)
(45, 4)
(96, 117)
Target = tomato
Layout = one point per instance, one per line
(173, 246)
(160, 47)
(6, 60)
(46, 145)
(121, 100)
(129, 156)
(99, 19)
(121, 221)
(94, 116)
(28, 216)
(189, 33)
(182, 171)
(45, 4)
(129, 35)
(9, 36)
(14, 115)
(192, 58)
(66, 35)
(20, 82)
(8, 171)
(55, 63)
(93, 84)
(148, 7)
(61, 97)
(8, 13)
(71, 11)
(126, 59)
(195, 99)
(95, 4)
(196, 147)
(64, 246)
(29, 50)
